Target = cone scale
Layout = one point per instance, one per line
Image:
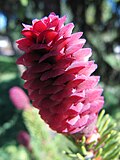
(58, 75)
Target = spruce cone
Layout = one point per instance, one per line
(58, 75)
(19, 98)
(23, 138)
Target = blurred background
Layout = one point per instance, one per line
(100, 22)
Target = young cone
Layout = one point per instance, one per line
(23, 138)
(19, 98)
(58, 75)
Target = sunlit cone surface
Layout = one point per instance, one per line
(19, 98)
(58, 75)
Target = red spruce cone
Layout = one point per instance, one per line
(58, 75)
(24, 139)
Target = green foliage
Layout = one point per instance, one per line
(8, 69)
(13, 152)
(11, 120)
(106, 147)
(24, 2)
(110, 138)
(113, 61)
